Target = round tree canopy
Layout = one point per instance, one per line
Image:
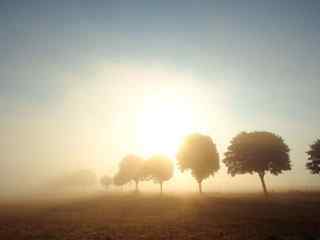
(257, 152)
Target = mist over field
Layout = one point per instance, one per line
(159, 119)
(91, 126)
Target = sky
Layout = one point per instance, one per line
(82, 83)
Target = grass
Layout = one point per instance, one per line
(149, 216)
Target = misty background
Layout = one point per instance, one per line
(74, 76)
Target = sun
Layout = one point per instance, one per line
(162, 124)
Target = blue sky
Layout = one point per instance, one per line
(272, 42)
(265, 54)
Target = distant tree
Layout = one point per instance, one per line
(258, 152)
(158, 168)
(118, 180)
(199, 154)
(130, 169)
(313, 163)
(106, 181)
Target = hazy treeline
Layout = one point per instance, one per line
(158, 168)
(248, 152)
(78, 179)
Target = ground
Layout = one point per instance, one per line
(149, 216)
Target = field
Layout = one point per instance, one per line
(149, 216)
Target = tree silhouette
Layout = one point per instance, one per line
(257, 152)
(106, 181)
(118, 180)
(130, 169)
(313, 163)
(159, 168)
(199, 154)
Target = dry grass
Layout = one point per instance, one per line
(147, 216)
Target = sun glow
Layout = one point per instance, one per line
(163, 123)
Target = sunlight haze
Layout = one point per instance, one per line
(138, 77)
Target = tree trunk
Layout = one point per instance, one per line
(137, 186)
(200, 186)
(161, 188)
(261, 175)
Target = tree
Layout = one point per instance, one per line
(257, 152)
(106, 181)
(130, 169)
(199, 154)
(118, 180)
(159, 168)
(313, 163)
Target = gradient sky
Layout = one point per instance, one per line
(73, 75)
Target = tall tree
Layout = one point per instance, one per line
(159, 168)
(118, 180)
(199, 154)
(313, 163)
(257, 152)
(106, 181)
(130, 169)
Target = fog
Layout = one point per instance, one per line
(159, 119)
(94, 124)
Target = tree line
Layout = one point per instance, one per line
(248, 152)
